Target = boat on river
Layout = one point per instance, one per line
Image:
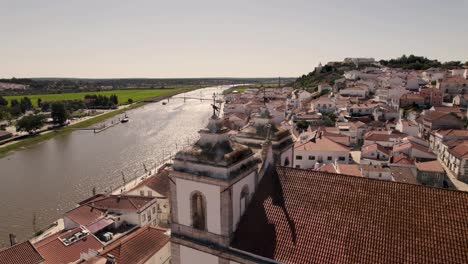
(125, 119)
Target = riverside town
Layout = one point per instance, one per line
(355, 158)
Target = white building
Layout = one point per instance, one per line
(316, 150)
(323, 105)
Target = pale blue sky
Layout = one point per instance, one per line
(217, 38)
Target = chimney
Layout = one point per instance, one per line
(13, 240)
(110, 259)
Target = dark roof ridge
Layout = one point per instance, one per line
(372, 179)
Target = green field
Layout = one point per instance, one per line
(123, 95)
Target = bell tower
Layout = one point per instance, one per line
(211, 185)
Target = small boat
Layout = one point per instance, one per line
(125, 119)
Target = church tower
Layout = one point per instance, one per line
(211, 185)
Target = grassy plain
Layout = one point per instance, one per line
(123, 95)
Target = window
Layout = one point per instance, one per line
(329, 158)
(154, 209)
(341, 158)
(286, 162)
(198, 211)
(298, 166)
(142, 193)
(244, 199)
(143, 217)
(150, 193)
(311, 157)
(298, 157)
(149, 217)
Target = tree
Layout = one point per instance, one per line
(114, 99)
(14, 103)
(25, 104)
(3, 101)
(30, 123)
(39, 102)
(4, 113)
(130, 100)
(59, 113)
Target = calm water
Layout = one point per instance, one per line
(49, 178)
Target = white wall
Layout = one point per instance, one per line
(305, 163)
(162, 256)
(236, 192)
(193, 256)
(213, 204)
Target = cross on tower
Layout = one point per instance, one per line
(215, 108)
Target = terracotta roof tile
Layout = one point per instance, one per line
(374, 147)
(159, 183)
(321, 144)
(403, 174)
(84, 214)
(138, 246)
(433, 166)
(55, 251)
(122, 202)
(22, 253)
(303, 216)
(402, 159)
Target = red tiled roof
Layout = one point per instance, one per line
(402, 159)
(159, 183)
(84, 214)
(329, 167)
(453, 132)
(320, 144)
(22, 253)
(460, 150)
(430, 166)
(303, 216)
(138, 246)
(403, 174)
(350, 169)
(54, 250)
(122, 202)
(374, 147)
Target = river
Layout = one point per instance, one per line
(49, 178)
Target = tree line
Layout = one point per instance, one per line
(59, 110)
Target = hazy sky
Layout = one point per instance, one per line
(218, 38)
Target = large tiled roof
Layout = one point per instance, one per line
(159, 183)
(453, 132)
(321, 144)
(303, 216)
(374, 147)
(433, 166)
(84, 214)
(460, 150)
(55, 251)
(22, 253)
(138, 246)
(122, 202)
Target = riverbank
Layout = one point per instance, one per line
(29, 141)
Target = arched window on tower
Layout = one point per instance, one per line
(244, 199)
(198, 211)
